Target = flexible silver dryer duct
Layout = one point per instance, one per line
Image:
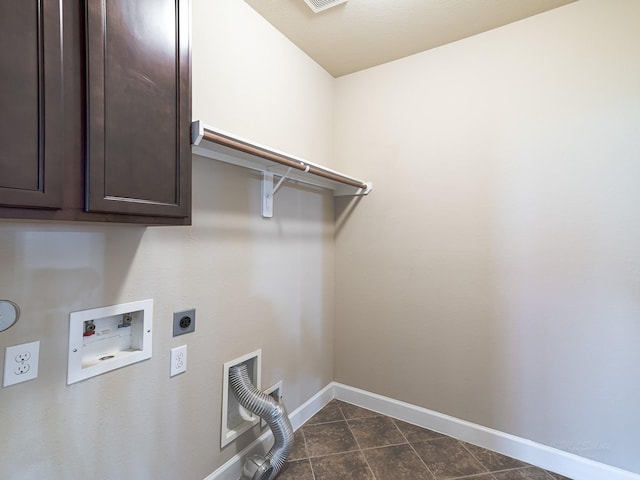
(274, 413)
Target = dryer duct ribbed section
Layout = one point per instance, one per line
(272, 412)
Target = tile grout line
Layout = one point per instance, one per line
(433, 475)
(472, 477)
(384, 446)
(414, 450)
(474, 457)
(357, 443)
(306, 451)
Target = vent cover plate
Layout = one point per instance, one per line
(321, 5)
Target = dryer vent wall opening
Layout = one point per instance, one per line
(274, 413)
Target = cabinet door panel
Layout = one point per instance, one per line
(138, 107)
(31, 117)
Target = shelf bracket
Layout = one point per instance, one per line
(269, 191)
(279, 184)
(267, 194)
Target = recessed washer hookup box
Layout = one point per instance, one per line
(107, 338)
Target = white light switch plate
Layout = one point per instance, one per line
(178, 360)
(21, 363)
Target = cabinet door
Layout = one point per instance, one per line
(138, 108)
(31, 116)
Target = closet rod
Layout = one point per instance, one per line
(281, 159)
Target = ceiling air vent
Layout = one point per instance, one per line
(320, 5)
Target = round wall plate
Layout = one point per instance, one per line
(9, 314)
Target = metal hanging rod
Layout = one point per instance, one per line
(218, 145)
(214, 136)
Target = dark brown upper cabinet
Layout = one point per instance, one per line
(95, 114)
(31, 111)
(138, 107)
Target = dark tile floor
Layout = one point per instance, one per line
(345, 442)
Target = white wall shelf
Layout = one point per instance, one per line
(219, 145)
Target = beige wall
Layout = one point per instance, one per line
(494, 272)
(255, 283)
(492, 275)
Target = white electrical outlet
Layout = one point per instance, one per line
(21, 363)
(178, 360)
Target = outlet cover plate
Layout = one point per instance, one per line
(184, 322)
(21, 363)
(178, 360)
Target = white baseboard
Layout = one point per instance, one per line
(559, 461)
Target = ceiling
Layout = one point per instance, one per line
(360, 34)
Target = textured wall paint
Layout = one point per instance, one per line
(494, 272)
(255, 283)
